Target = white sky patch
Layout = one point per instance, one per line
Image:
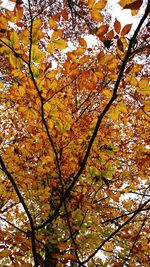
(7, 4)
(123, 15)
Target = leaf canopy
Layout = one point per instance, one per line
(74, 143)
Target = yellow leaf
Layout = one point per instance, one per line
(51, 48)
(125, 2)
(146, 104)
(107, 93)
(99, 5)
(132, 80)
(4, 22)
(1, 85)
(143, 83)
(53, 24)
(53, 85)
(37, 23)
(91, 3)
(113, 76)
(21, 90)
(114, 114)
(79, 51)
(99, 74)
(60, 44)
(56, 34)
(52, 74)
(4, 253)
(113, 65)
(97, 16)
(10, 16)
(144, 91)
(35, 70)
(137, 68)
(36, 55)
(47, 106)
(134, 12)
(13, 60)
(122, 107)
(14, 40)
(108, 58)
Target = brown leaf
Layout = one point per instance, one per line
(134, 6)
(120, 45)
(69, 256)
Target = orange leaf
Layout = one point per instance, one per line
(69, 256)
(62, 245)
(55, 255)
(102, 30)
(117, 26)
(82, 42)
(111, 34)
(18, 12)
(79, 51)
(126, 29)
(83, 60)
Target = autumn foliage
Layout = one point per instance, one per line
(74, 144)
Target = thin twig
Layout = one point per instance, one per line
(117, 230)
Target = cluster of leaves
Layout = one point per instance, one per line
(74, 135)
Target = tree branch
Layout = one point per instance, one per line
(11, 179)
(135, 240)
(14, 226)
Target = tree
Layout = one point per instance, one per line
(74, 181)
